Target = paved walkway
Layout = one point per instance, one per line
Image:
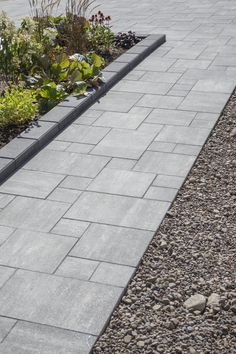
(77, 218)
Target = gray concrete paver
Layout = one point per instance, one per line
(31, 338)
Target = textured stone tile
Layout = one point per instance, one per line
(165, 163)
(67, 163)
(220, 86)
(74, 182)
(61, 302)
(159, 88)
(225, 60)
(153, 63)
(83, 134)
(5, 200)
(167, 77)
(161, 146)
(117, 101)
(58, 145)
(118, 210)
(32, 214)
(113, 274)
(178, 93)
(135, 74)
(199, 101)
(122, 120)
(121, 164)
(124, 143)
(168, 181)
(80, 148)
(161, 193)
(31, 183)
(77, 268)
(33, 338)
(158, 101)
(187, 149)
(122, 182)
(5, 232)
(35, 251)
(5, 274)
(6, 325)
(183, 135)
(69, 227)
(64, 195)
(172, 117)
(191, 64)
(113, 244)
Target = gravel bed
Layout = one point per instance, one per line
(183, 296)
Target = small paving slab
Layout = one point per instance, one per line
(118, 210)
(31, 183)
(160, 88)
(74, 182)
(32, 214)
(61, 302)
(183, 135)
(5, 232)
(172, 117)
(35, 251)
(67, 163)
(69, 227)
(124, 143)
(122, 182)
(32, 338)
(5, 200)
(165, 163)
(5, 274)
(130, 120)
(199, 101)
(168, 181)
(161, 193)
(77, 268)
(112, 244)
(113, 274)
(64, 195)
(117, 101)
(6, 325)
(83, 134)
(158, 101)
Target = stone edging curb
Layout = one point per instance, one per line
(32, 140)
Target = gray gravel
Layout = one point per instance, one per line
(183, 296)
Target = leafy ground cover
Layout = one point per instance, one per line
(49, 57)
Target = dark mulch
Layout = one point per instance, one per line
(193, 252)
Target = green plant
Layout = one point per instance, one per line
(99, 32)
(18, 106)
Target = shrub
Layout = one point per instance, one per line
(18, 106)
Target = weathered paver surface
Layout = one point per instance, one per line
(77, 218)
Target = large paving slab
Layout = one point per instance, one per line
(68, 163)
(32, 214)
(115, 181)
(31, 183)
(31, 338)
(61, 302)
(118, 210)
(112, 244)
(124, 143)
(150, 128)
(35, 251)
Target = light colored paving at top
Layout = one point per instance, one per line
(76, 220)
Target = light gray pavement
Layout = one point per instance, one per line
(77, 218)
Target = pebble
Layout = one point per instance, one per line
(196, 302)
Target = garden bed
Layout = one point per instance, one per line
(183, 296)
(49, 57)
(69, 98)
